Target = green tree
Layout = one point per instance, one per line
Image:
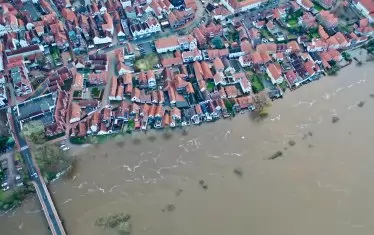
(218, 42)
(34, 131)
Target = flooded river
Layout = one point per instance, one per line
(320, 185)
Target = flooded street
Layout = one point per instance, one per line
(320, 185)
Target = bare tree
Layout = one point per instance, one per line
(261, 100)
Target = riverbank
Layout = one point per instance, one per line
(357, 53)
(322, 177)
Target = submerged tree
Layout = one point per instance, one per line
(261, 101)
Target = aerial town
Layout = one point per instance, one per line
(97, 68)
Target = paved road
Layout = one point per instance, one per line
(43, 194)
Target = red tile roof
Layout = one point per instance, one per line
(294, 46)
(69, 15)
(275, 70)
(268, 47)
(368, 4)
(256, 58)
(218, 65)
(207, 73)
(309, 67)
(244, 102)
(198, 70)
(231, 91)
(246, 46)
(113, 87)
(342, 40)
(82, 129)
(265, 56)
(322, 33)
(167, 42)
(328, 18)
(75, 111)
(291, 77)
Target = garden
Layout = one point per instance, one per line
(147, 62)
(95, 92)
(210, 86)
(292, 20)
(77, 94)
(257, 84)
(67, 84)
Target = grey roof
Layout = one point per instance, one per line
(37, 106)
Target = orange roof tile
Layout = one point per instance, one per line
(113, 88)
(75, 111)
(218, 65)
(275, 71)
(167, 42)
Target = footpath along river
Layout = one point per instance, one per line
(320, 185)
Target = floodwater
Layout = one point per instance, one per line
(320, 185)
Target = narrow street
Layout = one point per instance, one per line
(12, 94)
(111, 73)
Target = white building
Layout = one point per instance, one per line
(366, 7)
(174, 43)
(105, 40)
(235, 6)
(125, 3)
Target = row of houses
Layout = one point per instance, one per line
(145, 116)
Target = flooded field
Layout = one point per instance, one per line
(320, 185)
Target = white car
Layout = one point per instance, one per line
(6, 188)
(65, 148)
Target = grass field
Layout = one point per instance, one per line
(147, 62)
(292, 23)
(257, 84)
(317, 7)
(210, 86)
(95, 92)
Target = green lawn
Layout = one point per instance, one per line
(292, 23)
(233, 36)
(4, 196)
(147, 62)
(56, 136)
(210, 86)
(257, 84)
(67, 84)
(84, 71)
(292, 19)
(95, 92)
(296, 14)
(265, 33)
(77, 94)
(78, 140)
(283, 85)
(291, 36)
(315, 35)
(318, 7)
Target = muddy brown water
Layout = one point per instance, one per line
(320, 185)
